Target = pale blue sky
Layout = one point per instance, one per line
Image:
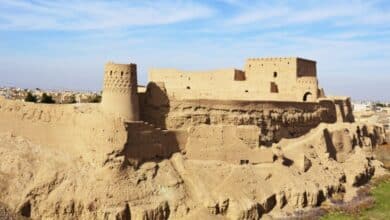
(65, 43)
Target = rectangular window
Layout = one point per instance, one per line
(274, 88)
(239, 75)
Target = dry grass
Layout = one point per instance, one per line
(376, 207)
(373, 200)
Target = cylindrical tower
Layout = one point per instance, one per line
(120, 91)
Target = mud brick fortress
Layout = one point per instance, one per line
(226, 144)
(271, 79)
(218, 115)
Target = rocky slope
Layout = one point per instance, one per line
(47, 183)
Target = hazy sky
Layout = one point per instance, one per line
(65, 43)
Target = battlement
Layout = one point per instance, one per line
(279, 59)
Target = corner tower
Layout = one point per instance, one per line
(120, 91)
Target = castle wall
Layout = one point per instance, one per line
(78, 129)
(201, 84)
(88, 131)
(120, 91)
(146, 142)
(228, 143)
(262, 72)
(281, 79)
(233, 110)
(276, 119)
(294, 77)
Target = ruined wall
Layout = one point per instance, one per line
(120, 91)
(86, 129)
(80, 129)
(229, 143)
(344, 109)
(275, 119)
(232, 131)
(283, 79)
(145, 142)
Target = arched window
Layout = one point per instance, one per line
(307, 96)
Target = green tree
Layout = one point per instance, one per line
(72, 99)
(47, 99)
(30, 97)
(96, 99)
(380, 105)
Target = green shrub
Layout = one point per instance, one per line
(30, 97)
(97, 99)
(380, 105)
(72, 99)
(47, 99)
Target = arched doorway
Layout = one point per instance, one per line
(307, 97)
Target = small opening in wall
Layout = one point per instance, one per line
(111, 73)
(307, 96)
(122, 73)
(275, 74)
(242, 162)
(188, 87)
(274, 88)
(239, 76)
(246, 90)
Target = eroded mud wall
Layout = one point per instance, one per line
(72, 127)
(276, 120)
(85, 130)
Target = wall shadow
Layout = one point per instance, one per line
(154, 105)
(148, 143)
(330, 148)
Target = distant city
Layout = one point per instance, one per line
(48, 96)
(372, 112)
